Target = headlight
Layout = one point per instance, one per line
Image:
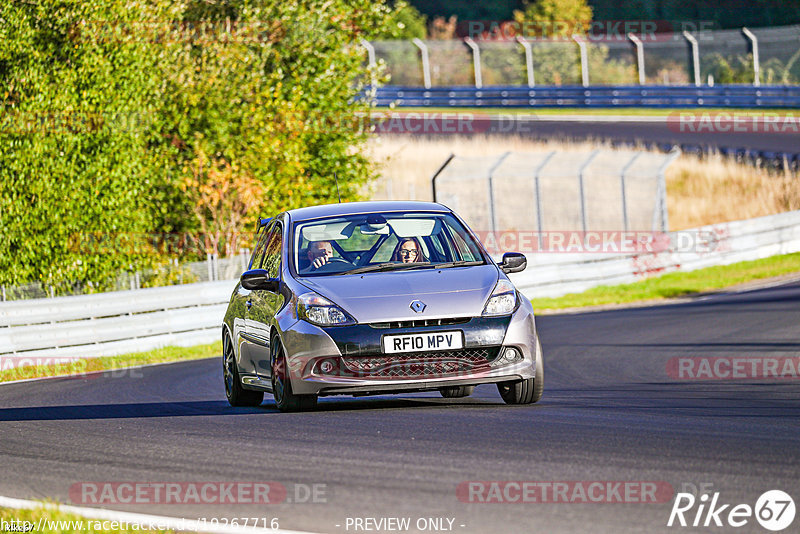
(320, 311)
(503, 300)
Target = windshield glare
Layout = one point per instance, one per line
(381, 242)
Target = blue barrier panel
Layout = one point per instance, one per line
(654, 96)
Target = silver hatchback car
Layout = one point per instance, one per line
(370, 298)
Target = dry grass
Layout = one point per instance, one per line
(717, 189)
(699, 192)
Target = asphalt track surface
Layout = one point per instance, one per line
(656, 131)
(611, 412)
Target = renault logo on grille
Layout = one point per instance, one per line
(418, 306)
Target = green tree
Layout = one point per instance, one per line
(557, 18)
(404, 21)
(109, 107)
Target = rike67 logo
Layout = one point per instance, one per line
(774, 510)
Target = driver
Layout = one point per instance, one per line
(318, 253)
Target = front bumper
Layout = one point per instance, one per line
(360, 367)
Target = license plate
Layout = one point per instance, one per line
(423, 342)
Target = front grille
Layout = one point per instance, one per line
(421, 322)
(418, 365)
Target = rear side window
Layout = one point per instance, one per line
(261, 242)
(272, 253)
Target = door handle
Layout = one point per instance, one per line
(249, 304)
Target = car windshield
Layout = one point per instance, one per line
(375, 242)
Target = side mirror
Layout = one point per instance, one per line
(513, 262)
(259, 279)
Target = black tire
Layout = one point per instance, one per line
(526, 391)
(285, 400)
(236, 394)
(455, 392)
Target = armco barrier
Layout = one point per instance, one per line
(118, 322)
(653, 96)
(556, 274)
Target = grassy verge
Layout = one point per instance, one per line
(679, 284)
(632, 112)
(108, 363)
(58, 522)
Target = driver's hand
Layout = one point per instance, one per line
(319, 262)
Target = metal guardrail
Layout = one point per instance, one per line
(654, 96)
(39, 330)
(113, 323)
(556, 274)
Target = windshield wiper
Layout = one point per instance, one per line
(378, 267)
(463, 263)
(393, 266)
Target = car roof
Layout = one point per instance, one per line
(354, 208)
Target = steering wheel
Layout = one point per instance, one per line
(330, 265)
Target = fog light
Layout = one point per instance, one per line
(327, 366)
(511, 354)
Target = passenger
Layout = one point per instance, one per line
(408, 251)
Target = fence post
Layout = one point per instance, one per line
(4, 293)
(476, 61)
(622, 185)
(639, 56)
(584, 165)
(756, 62)
(438, 172)
(209, 267)
(372, 65)
(426, 63)
(695, 56)
(662, 213)
(491, 191)
(536, 175)
(528, 59)
(584, 60)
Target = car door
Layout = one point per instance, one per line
(263, 305)
(247, 362)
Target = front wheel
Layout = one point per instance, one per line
(236, 394)
(285, 400)
(526, 391)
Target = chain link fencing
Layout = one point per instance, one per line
(763, 55)
(573, 191)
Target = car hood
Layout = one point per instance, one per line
(380, 297)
